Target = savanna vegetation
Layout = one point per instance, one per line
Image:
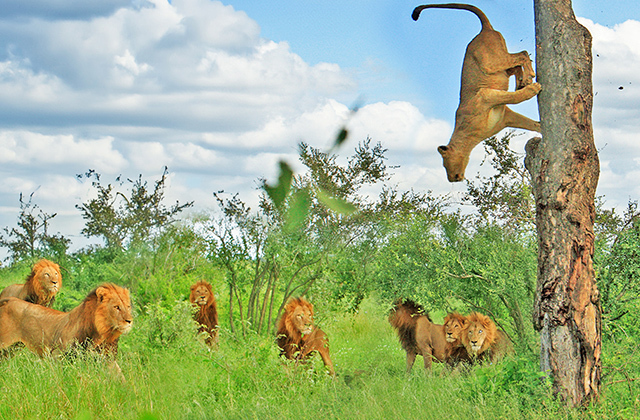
(324, 235)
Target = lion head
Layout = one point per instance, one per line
(202, 297)
(201, 294)
(41, 286)
(481, 334)
(45, 279)
(113, 315)
(298, 317)
(454, 325)
(297, 335)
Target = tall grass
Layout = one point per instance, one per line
(171, 375)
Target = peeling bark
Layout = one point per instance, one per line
(564, 168)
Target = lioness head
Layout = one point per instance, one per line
(454, 163)
(454, 325)
(113, 311)
(481, 333)
(201, 293)
(46, 276)
(301, 316)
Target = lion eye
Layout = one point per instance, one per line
(480, 331)
(117, 307)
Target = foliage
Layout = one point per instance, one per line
(31, 238)
(245, 378)
(505, 197)
(619, 273)
(122, 220)
(285, 248)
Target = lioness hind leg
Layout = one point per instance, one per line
(515, 120)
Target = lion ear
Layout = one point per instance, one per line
(102, 293)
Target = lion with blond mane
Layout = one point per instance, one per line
(41, 286)
(206, 315)
(96, 324)
(483, 340)
(298, 337)
(417, 333)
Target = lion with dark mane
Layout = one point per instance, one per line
(483, 340)
(96, 324)
(41, 286)
(206, 316)
(417, 333)
(297, 335)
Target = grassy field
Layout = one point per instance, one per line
(169, 375)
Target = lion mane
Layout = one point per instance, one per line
(206, 316)
(483, 340)
(298, 337)
(96, 324)
(417, 333)
(41, 286)
(455, 325)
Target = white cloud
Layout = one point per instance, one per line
(39, 150)
(129, 87)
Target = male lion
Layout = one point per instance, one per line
(41, 285)
(95, 324)
(417, 334)
(297, 335)
(207, 315)
(483, 340)
(484, 94)
(454, 326)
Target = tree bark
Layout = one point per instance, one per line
(564, 169)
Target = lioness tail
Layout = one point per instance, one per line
(483, 18)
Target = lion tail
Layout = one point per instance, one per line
(404, 319)
(483, 18)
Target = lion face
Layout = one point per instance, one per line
(477, 336)
(47, 276)
(302, 319)
(481, 333)
(200, 294)
(454, 163)
(113, 312)
(454, 325)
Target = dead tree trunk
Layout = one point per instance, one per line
(564, 169)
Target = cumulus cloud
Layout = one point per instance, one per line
(616, 113)
(38, 151)
(131, 86)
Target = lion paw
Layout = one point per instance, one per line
(535, 88)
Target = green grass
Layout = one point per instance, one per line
(170, 375)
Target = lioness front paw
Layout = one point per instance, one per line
(535, 88)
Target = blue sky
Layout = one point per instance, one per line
(219, 91)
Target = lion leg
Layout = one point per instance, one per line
(411, 358)
(428, 358)
(495, 97)
(324, 353)
(515, 120)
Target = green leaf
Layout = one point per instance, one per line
(341, 137)
(278, 193)
(338, 205)
(298, 210)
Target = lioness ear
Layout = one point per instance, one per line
(102, 293)
(443, 149)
